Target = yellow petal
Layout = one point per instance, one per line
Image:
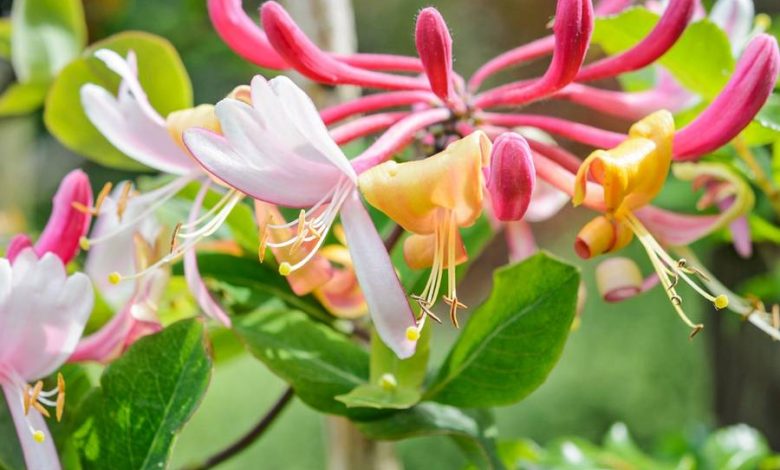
(414, 193)
(602, 235)
(634, 172)
(200, 116)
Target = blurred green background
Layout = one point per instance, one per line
(630, 362)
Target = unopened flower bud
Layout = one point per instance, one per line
(434, 45)
(512, 177)
(618, 278)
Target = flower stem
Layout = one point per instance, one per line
(762, 180)
(250, 437)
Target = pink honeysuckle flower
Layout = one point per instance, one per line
(278, 150)
(42, 316)
(735, 107)
(69, 221)
(246, 38)
(132, 125)
(125, 249)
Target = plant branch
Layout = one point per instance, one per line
(250, 437)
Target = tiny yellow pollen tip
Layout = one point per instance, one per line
(39, 437)
(388, 382)
(285, 269)
(412, 333)
(114, 278)
(721, 302)
(84, 243)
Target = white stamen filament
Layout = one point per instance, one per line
(321, 224)
(160, 196)
(191, 239)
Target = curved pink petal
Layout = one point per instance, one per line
(738, 103)
(302, 54)
(520, 240)
(376, 102)
(387, 302)
(546, 201)
(37, 455)
(43, 315)
(67, 224)
(533, 50)
(130, 122)
(666, 32)
(676, 229)
(667, 94)
(611, 7)
(16, 245)
(192, 274)
(106, 343)
(573, 27)
(243, 35)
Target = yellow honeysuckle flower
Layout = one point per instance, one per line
(433, 198)
(632, 174)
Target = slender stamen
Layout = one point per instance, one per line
(124, 197)
(191, 239)
(158, 197)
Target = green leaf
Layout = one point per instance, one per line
(394, 383)
(11, 457)
(737, 447)
(161, 73)
(318, 362)
(765, 128)
(260, 280)
(473, 430)
(5, 38)
(513, 340)
(144, 399)
(701, 59)
(22, 98)
(46, 35)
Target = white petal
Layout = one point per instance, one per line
(289, 185)
(387, 303)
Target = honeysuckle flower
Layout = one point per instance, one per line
(632, 174)
(42, 316)
(68, 222)
(336, 288)
(619, 278)
(433, 198)
(132, 125)
(131, 249)
(278, 150)
(746, 92)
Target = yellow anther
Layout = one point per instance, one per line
(39, 436)
(721, 302)
(41, 409)
(121, 205)
(388, 382)
(285, 269)
(114, 278)
(173, 237)
(60, 406)
(84, 243)
(82, 208)
(60, 383)
(262, 246)
(412, 333)
(26, 399)
(102, 196)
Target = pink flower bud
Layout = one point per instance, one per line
(67, 223)
(668, 30)
(291, 43)
(573, 27)
(512, 177)
(744, 95)
(434, 45)
(242, 35)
